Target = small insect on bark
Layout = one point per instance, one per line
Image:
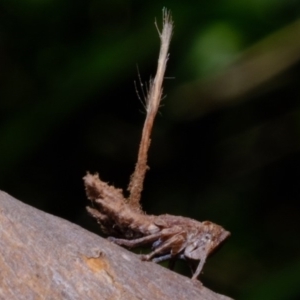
(122, 219)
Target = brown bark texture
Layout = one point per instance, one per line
(46, 257)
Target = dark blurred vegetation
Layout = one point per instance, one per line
(226, 145)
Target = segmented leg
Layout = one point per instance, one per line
(173, 245)
(162, 258)
(172, 260)
(136, 242)
(167, 257)
(201, 263)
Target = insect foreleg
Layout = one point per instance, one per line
(202, 259)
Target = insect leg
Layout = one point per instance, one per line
(169, 257)
(172, 260)
(172, 245)
(136, 242)
(202, 258)
(162, 258)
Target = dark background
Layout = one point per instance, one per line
(226, 142)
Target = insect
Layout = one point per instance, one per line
(171, 237)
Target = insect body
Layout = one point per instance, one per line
(171, 237)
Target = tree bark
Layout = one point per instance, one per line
(46, 257)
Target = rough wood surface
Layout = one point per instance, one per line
(46, 257)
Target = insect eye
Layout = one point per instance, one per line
(207, 237)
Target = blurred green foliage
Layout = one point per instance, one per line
(68, 104)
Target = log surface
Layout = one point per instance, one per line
(46, 257)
